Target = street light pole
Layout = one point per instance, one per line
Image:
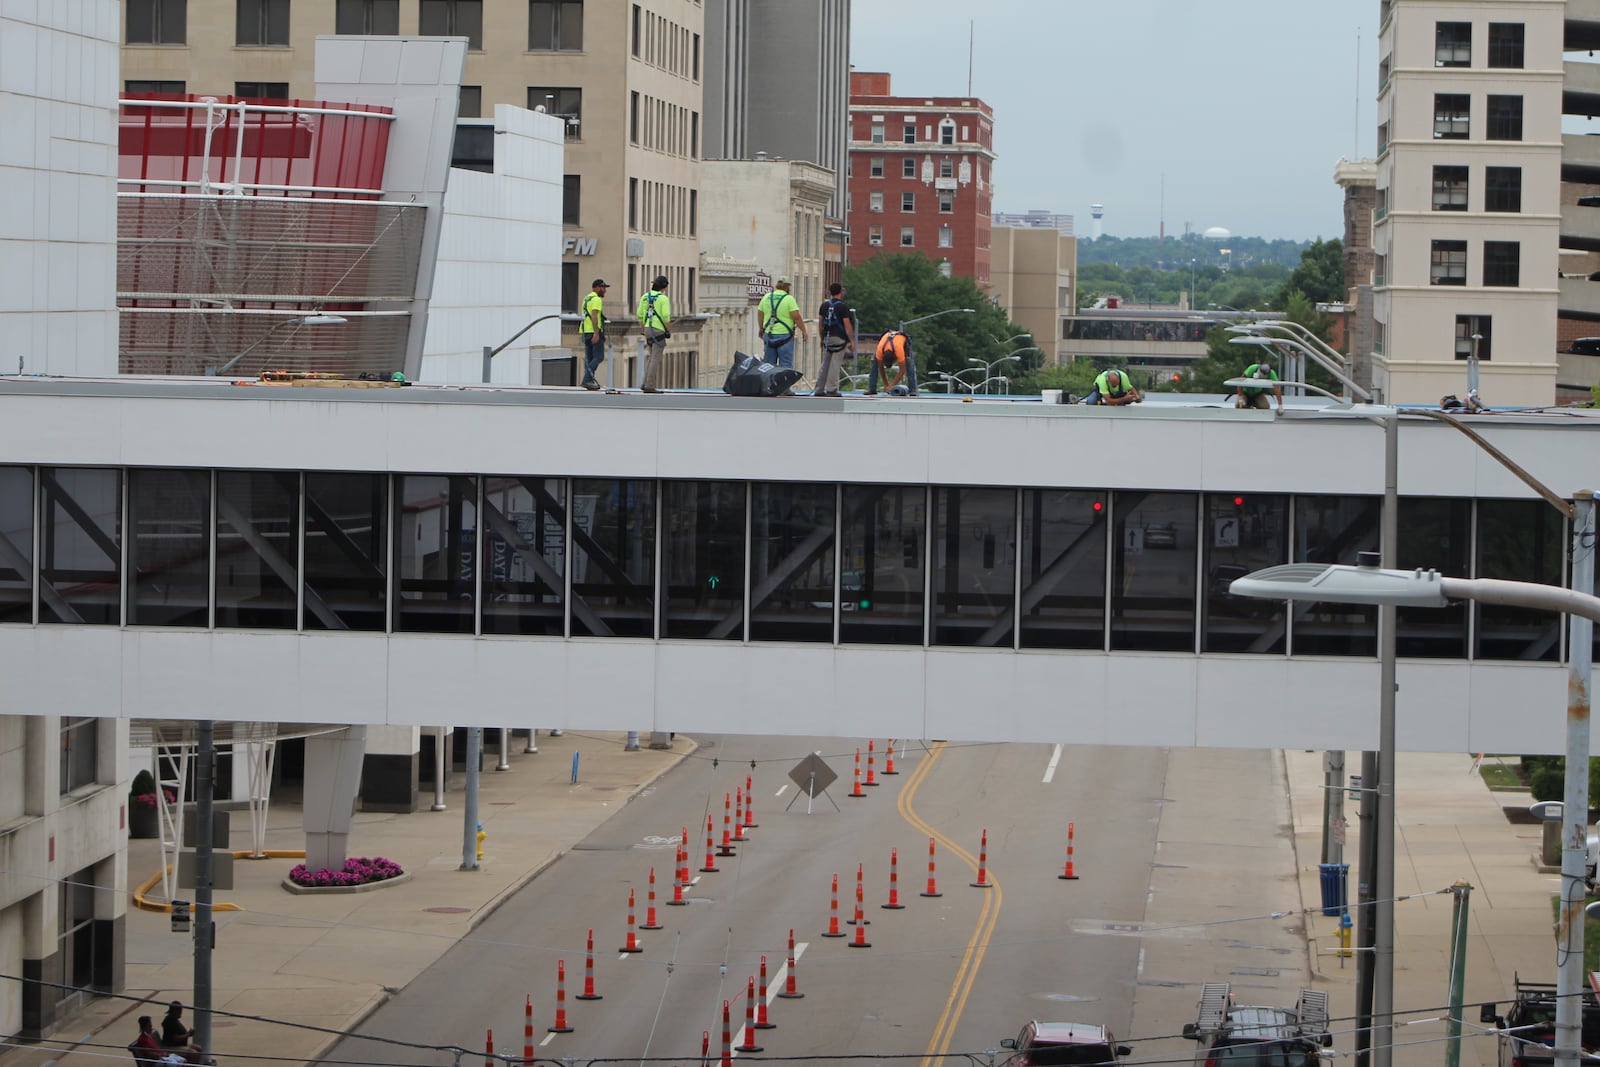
(1383, 875)
(490, 353)
(1575, 795)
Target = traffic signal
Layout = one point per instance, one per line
(1098, 506)
(1238, 501)
(1176, 378)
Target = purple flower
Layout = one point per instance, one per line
(357, 870)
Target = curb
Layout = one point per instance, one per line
(381, 998)
(490, 905)
(329, 890)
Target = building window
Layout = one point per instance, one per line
(262, 90)
(877, 133)
(565, 103)
(147, 86)
(908, 167)
(875, 236)
(79, 753)
(473, 148)
(1505, 45)
(633, 203)
(453, 18)
(875, 202)
(633, 116)
(694, 218)
(947, 168)
(571, 195)
(1504, 118)
(947, 132)
(555, 25)
(908, 237)
(1380, 268)
(908, 201)
(876, 167)
(1452, 44)
(947, 202)
(1380, 204)
(157, 21)
(637, 15)
(910, 135)
(694, 72)
(470, 105)
(1383, 138)
(1502, 263)
(367, 17)
(947, 237)
(1452, 116)
(1449, 188)
(1502, 188)
(263, 23)
(1448, 263)
(1466, 327)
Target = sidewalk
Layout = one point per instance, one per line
(329, 960)
(1449, 827)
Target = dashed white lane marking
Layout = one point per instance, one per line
(781, 790)
(1050, 768)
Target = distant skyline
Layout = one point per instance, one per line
(1244, 106)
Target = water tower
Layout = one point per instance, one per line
(1096, 212)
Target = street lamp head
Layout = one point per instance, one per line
(323, 319)
(1343, 584)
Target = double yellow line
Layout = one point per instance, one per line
(972, 958)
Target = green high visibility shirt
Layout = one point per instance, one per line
(591, 314)
(1252, 370)
(1103, 387)
(779, 311)
(655, 310)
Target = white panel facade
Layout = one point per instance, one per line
(58, 166)
(500, 257)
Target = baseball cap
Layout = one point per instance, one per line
(599, 283)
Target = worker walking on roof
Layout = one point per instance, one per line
(655, 316)
(1113, 387)
(593, 332)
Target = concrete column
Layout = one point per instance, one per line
(332, 776)
(391, 769)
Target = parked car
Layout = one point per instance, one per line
(1063, 1045)
(1234, 1035)
(1585, 346)
(1528, 1028)
(1161, 535)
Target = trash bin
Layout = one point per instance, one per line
(1334, 879)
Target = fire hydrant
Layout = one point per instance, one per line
(482, 833)
(1344, 935)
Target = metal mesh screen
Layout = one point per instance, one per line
(199, 259)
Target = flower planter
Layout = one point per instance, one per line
(144, 821)
(364, 887)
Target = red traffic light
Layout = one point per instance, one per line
(1238, 501)
(1098, 506)
(1176, 378)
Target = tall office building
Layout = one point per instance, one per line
(626, 77)
(1467, 207)
(921, 176)
(778, 82)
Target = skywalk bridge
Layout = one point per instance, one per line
(892, 568)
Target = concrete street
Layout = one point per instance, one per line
(1237, 834)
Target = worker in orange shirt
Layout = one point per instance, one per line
(894, 361)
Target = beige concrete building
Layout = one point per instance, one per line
(625, 76)
(725, 286)
(1467, 211)
(772, 212)
(1033, 274)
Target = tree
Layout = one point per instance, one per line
(890, 289)
(1320, 275)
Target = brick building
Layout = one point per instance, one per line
(921, 176)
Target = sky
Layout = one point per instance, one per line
(1244, 106)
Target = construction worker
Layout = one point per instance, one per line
(893, 357)
(836, 329)
(655, 316)
(593, 332)
(1256, 396)
(780, 322)
(1113, 387)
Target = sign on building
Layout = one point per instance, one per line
(760, 285)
